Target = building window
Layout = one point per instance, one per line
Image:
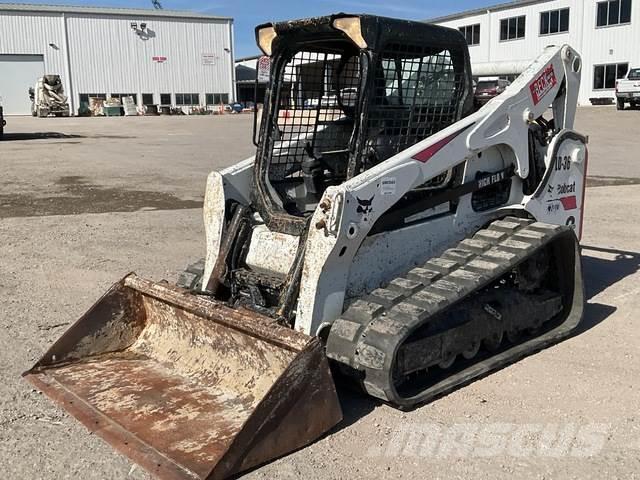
(554, 21)
(471, 33)
(187, 99)
(147, 98)
(217, 98)
(613, 12)
(605, 76)
(512, 28)
(165, 99)
(221, 98)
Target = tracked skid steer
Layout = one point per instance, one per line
(384, 233)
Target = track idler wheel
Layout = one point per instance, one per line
(472, 351)
(447, 361)
(493, 342)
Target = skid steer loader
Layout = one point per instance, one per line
(384, 232)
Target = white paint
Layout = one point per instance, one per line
(615, 44)
(271, 252)
(340, 256)
(329, 261)
(232, 183)
(17, 74)
(97, 51)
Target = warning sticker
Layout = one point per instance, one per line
(543, 84)
(388, 186)
(264, 69)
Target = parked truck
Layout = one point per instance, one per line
(48, 98)
(628, 89)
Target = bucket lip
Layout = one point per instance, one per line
(242, 320)
(307, 362)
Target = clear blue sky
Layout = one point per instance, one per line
(249, 13)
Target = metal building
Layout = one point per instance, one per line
(161, 57)
(605, 32)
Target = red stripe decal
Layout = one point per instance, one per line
(425, 155)
(569, 203)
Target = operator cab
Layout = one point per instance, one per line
(347, 93)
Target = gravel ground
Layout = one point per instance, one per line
(88, 200)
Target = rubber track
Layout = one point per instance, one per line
(369, 332)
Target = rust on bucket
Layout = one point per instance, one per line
(188, 387)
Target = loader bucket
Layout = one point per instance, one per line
(187, 387)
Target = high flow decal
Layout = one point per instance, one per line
(543, 84)
(492, 179)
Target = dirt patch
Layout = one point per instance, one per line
(597, 181)
(77, 195)
(21, 136)
(37, 136)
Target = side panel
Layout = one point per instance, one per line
(233, 183)
(559, 199)
(385, 256)
(553, 79)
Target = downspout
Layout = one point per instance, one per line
(232, 76)
(584, 86)
(490, 37)
(67, 62)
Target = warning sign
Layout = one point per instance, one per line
(264, 69)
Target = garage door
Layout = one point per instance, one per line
(17, 74)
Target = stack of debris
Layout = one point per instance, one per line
(96, 105)
(130, 108)
(112, 107)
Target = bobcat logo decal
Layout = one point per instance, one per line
(364, 206)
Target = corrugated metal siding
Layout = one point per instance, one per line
(616, 44)
(89, 9)
(106, 55)
(31, 35)
(114, 59)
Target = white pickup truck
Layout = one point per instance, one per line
(628, 89)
